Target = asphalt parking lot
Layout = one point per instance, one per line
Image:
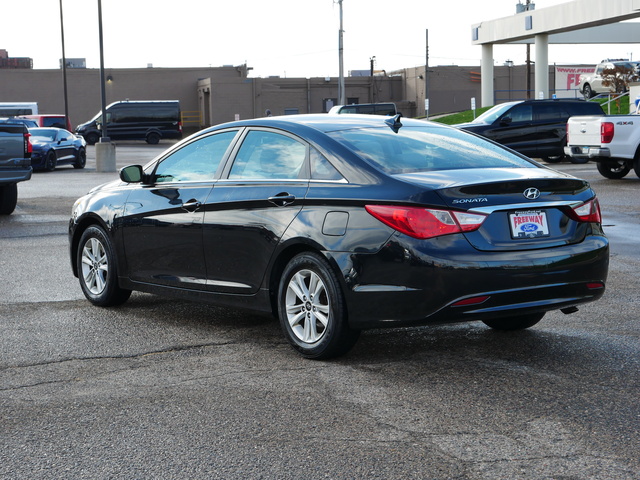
(160, 388)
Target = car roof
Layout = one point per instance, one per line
(328, 123)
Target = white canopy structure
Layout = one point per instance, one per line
(575, 22)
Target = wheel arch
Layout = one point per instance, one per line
(281, 260)
(77, 232)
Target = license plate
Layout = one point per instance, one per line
(585, 150)
(529, 224)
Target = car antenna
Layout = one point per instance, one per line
(394, 122)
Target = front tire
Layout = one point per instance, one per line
(50, 161)
(92, 138)
(97, 269)
(614, 169)
(519, 322)
(587, 92)
(312, 310)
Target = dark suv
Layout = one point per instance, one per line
(536, 128)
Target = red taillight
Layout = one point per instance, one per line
(425, 223)
(180, 126)
(587, 212)
(606, 132)
(28, 148)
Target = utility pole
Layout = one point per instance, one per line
(342, 97)
(426, 79)
(372, 61)
(528, 60)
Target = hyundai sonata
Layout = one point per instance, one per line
(342, 223)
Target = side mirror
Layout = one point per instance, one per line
(505, 121)
(131, 174)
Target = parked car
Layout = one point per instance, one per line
(342, 223)
(366, 109)
(56, 146)
(536, 128)
(150, 121)
(50, 120)
(591, 84)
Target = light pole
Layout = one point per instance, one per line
(64, 70)
(342, 97)
(105, 136)
(105, 150)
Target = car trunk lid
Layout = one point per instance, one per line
(523, 211)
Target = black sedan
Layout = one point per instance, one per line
(56, 146)
(342, 223)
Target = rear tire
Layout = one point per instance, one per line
(587, 92)
(81, 160)
(97, 269)
(636, 166)
(153, 138)
(554, 159)
(312, 310)
(8, 198)
(519, 322)
(614, 169)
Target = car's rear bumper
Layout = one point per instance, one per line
(587, 152)
(399, 286)
(14, 175)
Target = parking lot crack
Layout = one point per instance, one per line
(169, 350)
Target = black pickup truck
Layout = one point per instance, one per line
(15, 162)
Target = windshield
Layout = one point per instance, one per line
(493, 113)
(424, 149)
(44, 133)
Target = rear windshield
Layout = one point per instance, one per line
(417, 149)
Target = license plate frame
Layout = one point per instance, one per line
(527, 224)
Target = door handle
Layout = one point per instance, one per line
(282, 199)
(191, 205)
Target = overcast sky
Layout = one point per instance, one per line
(292, 38)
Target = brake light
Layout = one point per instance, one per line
(606, 132)
(588, 212)
(425, 223)
(28, 148)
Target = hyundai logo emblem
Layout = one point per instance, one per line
(531, 193)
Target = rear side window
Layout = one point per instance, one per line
(269, 155)
(53, 122)
(551, 112)
(586, 108)
(417, 149)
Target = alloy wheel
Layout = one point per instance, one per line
(95, 266)
(307, 306)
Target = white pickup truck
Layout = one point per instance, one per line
(613, 141)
